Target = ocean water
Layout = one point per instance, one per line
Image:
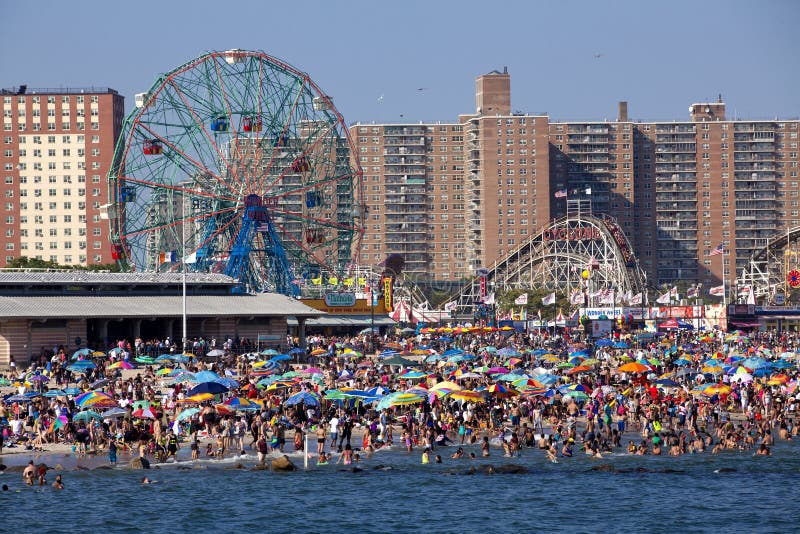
(693, 493)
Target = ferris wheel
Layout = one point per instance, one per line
(236, 163)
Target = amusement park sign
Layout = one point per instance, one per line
(581, 233)
(344, 300)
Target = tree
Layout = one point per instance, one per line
(24, 262)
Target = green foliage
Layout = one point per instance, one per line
(24, 262)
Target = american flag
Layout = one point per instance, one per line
(717, 251)
(561, 193)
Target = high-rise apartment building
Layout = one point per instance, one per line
(58, 145)
(414, 190)
(485, 184)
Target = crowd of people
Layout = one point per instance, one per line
(479, 392)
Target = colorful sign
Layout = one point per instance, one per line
(580, 233)
(340, 299)
(387, 294)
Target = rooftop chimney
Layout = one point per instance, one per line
(622, 116)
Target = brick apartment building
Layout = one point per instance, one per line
(57, 148)
(452, 197)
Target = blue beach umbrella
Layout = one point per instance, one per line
(303, 397)
(213, 388)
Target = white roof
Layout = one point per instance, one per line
(71, 307)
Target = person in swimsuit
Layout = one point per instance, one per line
(320, 438)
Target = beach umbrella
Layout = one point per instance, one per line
(718, 388)
(742, 378)
(399, 361)
(667, 383)
(240, 403)
(81, 366)
(81, 353)
(163, 371)
(523, 383)
(113, 413)
(213, 388)
(778, 380)
(87, 415)
(576, 395)
(144, 413)
(304, 397)
(216, 352)
(181, 358)
(54, 393)
(446, 386)
(399, 398)
(604, 342)
(579, 369)
(72, 391)
(163, 358)
(414, 375)
(269, 352)
(467, 395)
(205, 376)
(18, 398)
(501, 391)
(713, 369)
(99, 383)
(122, 364)
(782, 364)
(281, 358)
(92, 398)
(464, 376)
(634, 367)
(199, 397)
(187, 414)
(230, 383)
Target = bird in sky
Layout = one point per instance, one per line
(380, 99)
(421, 88)
(598, 56)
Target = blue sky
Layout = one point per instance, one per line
(659, 56)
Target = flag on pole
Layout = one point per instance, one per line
(489, 299)
(751, 297)
(521, 300)
(717, 291)
(450, 306)
(691, 292)
(549, 299)
(717, 251)
(665, 298)
(635, 300)
(191, 258)
(607, 297)
(576, 297)
(168, 257)
(561, 193)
